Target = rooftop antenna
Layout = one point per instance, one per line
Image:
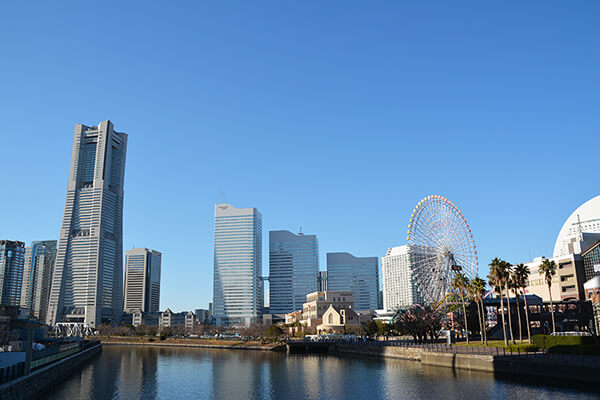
(579, 228)
(300, 230)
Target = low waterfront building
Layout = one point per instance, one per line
(567, 284)
(318, 302)
(138, 317)
(293, 317)
(592, 294)
(190, 321)
(336, 319)
(171, 319)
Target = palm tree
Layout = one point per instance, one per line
(460, 283)
(505, 269)
(471, 297)
(478, 291)
(495, 280)
(521, 275)
(514, 286)
(480, 285)
(548, 269)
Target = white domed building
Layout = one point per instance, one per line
(581, 230)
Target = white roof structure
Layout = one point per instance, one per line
(580, 230)
(593, 283)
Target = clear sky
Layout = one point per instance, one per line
(336, 117)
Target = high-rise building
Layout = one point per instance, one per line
(12, 257)
(357, 274)
(293, 268)
(399, 286)
(322, 281)
(87, 285)
(142, 280)
(238, 287)
(37, 277)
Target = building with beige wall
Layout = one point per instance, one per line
(335, 319)
(567, 284)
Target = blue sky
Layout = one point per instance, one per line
(336, 117)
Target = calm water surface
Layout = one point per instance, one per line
(138, 372)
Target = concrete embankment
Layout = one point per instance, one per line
(244, 346)
(39, 381)
(532, 366)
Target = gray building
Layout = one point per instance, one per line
(37, 278)
(142, 280)
(293, 268)
(12, 258)
(322, 281)
(357, 274)
(238, 287)
(87, 285)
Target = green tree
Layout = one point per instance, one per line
(506, 269)
(514, 286)
(274, 331)
(521, 276)
(495, 280)
(548, 270)
(461, 283)
(478, 291)
(370, 328)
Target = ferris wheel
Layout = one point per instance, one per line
(440, 245)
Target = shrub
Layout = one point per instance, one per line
(547, 341)
(521, 347)
(274, 331)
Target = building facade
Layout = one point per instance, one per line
(293, 268)
(142, 280)
(399, 286)
(87, 285)
(317, 303)
(12, 259)
(322, 281)
(37, 278)
(360, 275)
(567, 284)
(581, 230)
(591, 261)
(238, 297)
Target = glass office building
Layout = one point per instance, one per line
(238, 287)
(293, 269)
(87, 285)
(37, 278)
(12, 258)
(359, 275)
(142, 280)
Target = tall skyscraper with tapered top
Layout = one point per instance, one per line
(238, 286)
(87, 285)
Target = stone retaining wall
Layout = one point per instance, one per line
(39, 381)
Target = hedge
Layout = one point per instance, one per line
(521, 347)
(547, 341)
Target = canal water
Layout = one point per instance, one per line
(141, 372)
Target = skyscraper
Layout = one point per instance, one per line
(238, 287)
(293, 268)
(142, 280)
(37, 277)
(87, 285)
(399, 287)
(11, 271)
(357, 274)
